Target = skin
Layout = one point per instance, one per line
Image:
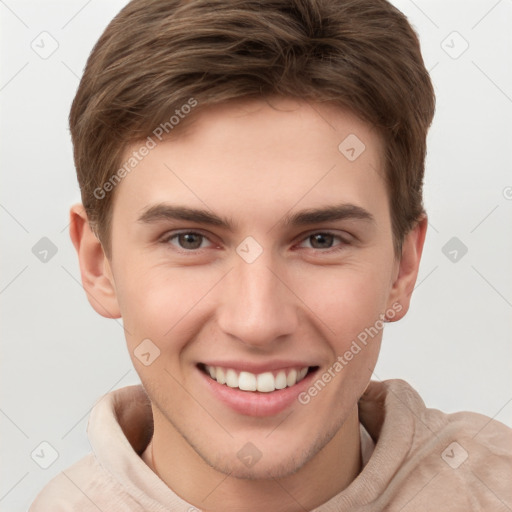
(301, 299)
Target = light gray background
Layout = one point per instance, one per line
(59, 356)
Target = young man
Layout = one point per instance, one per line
(251, 177)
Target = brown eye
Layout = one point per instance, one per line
(188, 241)
(321, 241)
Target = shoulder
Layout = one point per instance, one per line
(463, 456)
(86, 487)
(466, 436)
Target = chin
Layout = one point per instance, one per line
(273, 465)
(261, 470)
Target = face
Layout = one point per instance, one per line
(252, 250)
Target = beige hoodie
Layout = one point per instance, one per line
(423, 460)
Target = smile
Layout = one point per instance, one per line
(265, 382)
(250, 389)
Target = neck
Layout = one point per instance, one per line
(325, 475)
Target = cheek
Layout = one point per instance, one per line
(348, 301)
(157, 300)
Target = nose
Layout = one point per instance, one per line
(257, 308)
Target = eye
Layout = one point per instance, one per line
(188, 240)
(322, 241)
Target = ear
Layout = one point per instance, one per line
(97, 278)
(407, 270)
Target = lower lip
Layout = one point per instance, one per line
(254, 403)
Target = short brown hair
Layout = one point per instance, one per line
(158, 55)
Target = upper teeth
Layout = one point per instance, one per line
(264, 382)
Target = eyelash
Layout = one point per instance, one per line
(340, 246)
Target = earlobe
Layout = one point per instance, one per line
(407, 273)
(95, 271)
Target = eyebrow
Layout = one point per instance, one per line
(329, 214)
(164, 211)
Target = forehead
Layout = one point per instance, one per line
(243, 155)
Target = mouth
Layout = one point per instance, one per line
(256, 390)
(264, 382)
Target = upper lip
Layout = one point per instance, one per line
(256, 368)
